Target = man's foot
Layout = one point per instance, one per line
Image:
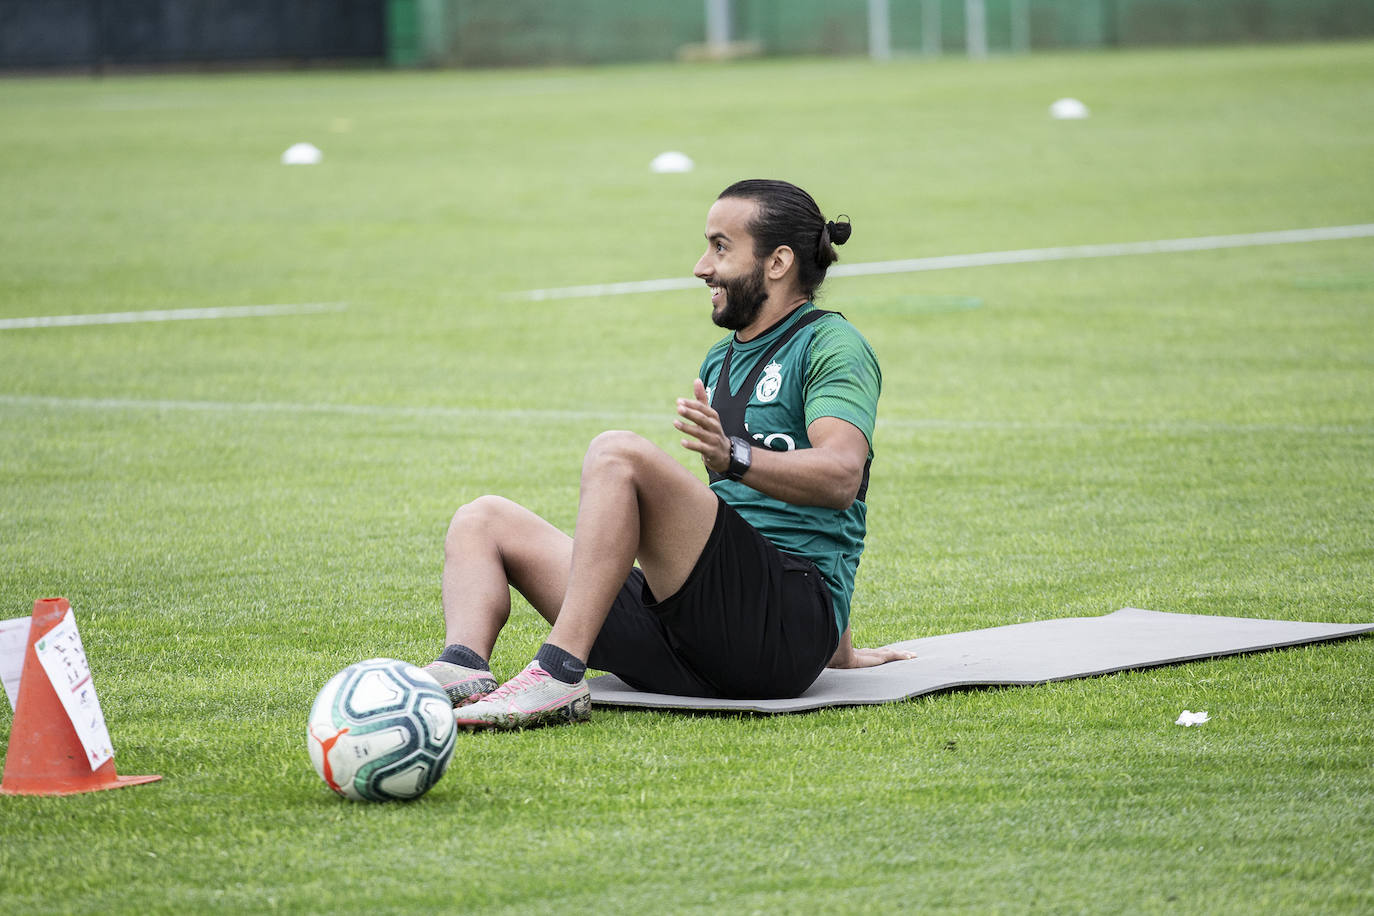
(532, 697)
(462, 684)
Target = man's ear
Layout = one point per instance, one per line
(777, 264)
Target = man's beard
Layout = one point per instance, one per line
(744, 298)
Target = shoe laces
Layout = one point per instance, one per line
(530, 677)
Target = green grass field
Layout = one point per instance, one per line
(238, 508)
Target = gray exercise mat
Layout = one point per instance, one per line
(1022, 654)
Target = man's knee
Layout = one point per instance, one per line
(616, 453)
(479, 518)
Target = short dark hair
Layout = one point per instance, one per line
(789, 216)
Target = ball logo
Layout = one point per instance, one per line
(771, 383)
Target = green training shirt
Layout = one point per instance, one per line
(826, 370)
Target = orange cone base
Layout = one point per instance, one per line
(49, 786)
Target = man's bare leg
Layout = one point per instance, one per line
(636, 502)
(492, 545)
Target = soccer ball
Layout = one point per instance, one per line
(381, 730)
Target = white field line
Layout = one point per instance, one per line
(664, 418)
(240, 311)
(991, 258)
(519, 414)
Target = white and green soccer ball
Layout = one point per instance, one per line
(381, 730)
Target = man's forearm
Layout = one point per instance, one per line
(806, 477)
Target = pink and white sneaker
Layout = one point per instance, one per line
(532, 697)
(462, 684)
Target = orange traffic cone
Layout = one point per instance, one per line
(45, 756)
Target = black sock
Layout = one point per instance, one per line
(565, 666)
(459, 654)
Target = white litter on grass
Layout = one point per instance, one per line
(1189, 719)
(671, 161)
(301, 154)
(1068, 110)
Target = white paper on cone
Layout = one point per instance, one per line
(62, 656)
(14, 640)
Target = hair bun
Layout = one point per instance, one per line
(840, 232)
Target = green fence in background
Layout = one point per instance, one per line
(474, 33)
(521, 32)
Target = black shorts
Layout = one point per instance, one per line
(750, 622)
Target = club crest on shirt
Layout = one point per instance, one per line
(771, 383)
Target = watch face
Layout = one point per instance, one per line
(740, 454)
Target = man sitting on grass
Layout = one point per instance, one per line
(742, 587)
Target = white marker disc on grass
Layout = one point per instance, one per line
(671, 161)
(302, 154)
(1068, 110)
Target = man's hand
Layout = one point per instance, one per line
(699, 420)
(871, 658)
(846, 656)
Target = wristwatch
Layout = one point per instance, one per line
(741, 453)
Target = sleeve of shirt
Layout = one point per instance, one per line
(844, 380)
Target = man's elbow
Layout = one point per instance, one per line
(840, 503)
(844, 491)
